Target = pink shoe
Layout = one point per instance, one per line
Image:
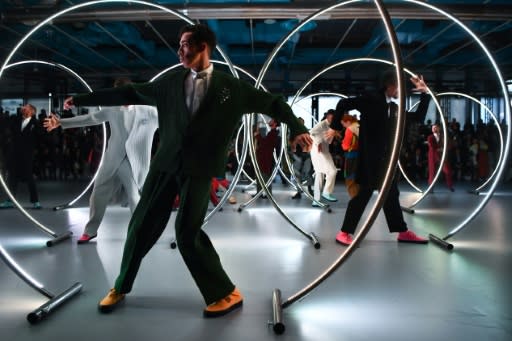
(410, 237)
(85, 238)
(344, 238)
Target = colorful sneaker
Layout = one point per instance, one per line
(85, 238)
(344, 238)
(316, 204)
(7, 204)
(111, 301)
(329, 197)
(411, 237)
(37, 205)
(225, 305)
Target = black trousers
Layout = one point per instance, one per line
(391, 207)
(14, 179)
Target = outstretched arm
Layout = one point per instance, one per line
(304, 140)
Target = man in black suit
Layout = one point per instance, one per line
(25, 132)
(376, 125)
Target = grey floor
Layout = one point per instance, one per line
(385, 290)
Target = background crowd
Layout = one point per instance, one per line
(74, 154)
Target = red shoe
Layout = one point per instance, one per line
(223, 306)
(411, 237)
(85, 238)
(344, 238)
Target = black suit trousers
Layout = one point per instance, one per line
(14, 179)
(391, 207)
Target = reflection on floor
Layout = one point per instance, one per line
(385, 291)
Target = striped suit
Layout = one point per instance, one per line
(126, 160)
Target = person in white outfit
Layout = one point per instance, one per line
(322, 161)
(127, 157)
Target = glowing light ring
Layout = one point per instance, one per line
(49, 20)
(4, 255)
(507, 114)
(393, 157)
(439, 167)
(500, 132)
(240, 168)
(18, 270)
(259, 81)
(84, 83)
(376, 60)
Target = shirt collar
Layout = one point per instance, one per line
(203, 73)
(390, 99)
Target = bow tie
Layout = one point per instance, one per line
(200, 75)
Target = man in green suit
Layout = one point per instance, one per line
(198, 111)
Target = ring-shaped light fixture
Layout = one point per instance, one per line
(504, 90)
(500, 133)
(3, 254)
(388, 177)
(86, 85)
(387, 62)
(439, 168)
(498, 127)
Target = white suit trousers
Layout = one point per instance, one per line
(102, 193)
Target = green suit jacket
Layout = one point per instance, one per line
(196, 145)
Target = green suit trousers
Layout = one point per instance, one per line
(150, 219)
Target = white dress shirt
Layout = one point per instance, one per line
(196, 86)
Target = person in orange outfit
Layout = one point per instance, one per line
(350, 145)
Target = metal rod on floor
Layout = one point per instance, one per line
(440, 242)
(58, 239)
(407, 209)
(314, 240)
(47, 308)
(62, 207)
(53, 303)
(277, 312)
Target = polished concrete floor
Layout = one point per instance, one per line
(384, 291)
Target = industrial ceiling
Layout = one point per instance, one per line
(103, 41)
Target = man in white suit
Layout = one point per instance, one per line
(126, 160)
(322, 160)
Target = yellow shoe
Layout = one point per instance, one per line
(225, 305)
(110, 302)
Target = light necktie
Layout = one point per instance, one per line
(24, 123)
(198, 91)
(392, 109)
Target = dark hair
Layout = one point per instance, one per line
(328, 112)
(122, 81)
(388, 78)
(200, 34)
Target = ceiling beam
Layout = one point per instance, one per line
(253, 11)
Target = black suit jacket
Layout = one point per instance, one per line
(23, 145)
(375, 132)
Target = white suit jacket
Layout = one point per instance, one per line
(322, 161)
(131, 134)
